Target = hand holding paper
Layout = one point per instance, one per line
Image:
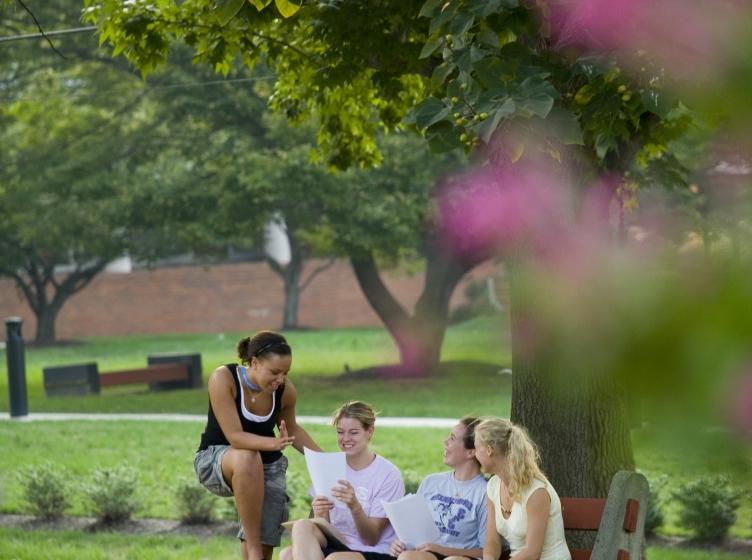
(412, 521)
(326, 470)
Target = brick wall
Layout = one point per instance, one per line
(228, 297)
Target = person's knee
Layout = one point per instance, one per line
(411, 555)
(340, 556)
(302, 527)
(247, 463)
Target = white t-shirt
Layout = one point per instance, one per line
(379, 482)
(514, 529)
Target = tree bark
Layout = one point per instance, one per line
(578, 418)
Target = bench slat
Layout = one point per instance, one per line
(151, 374)
(630, 515)
(582, 514)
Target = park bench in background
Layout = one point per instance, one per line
(163, 372)
(618, 519)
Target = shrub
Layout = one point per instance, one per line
(654, 515)
(45, 489)
(297, 489)
(113, 493)
(228, 510)
(707, 507)
(195, 503)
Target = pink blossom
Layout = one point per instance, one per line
(688, 37)
(498, 208)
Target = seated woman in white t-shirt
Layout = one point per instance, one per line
(457, 500)
(359, 515)
(523, 507)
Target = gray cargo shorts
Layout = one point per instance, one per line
(208, 466)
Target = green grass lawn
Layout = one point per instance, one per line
(163, 452)
(18, 544)
(318, 358)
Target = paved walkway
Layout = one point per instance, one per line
(386, 422)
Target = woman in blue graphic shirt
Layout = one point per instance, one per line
(457, 499)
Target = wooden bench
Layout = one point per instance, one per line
(164, 372)
(152, 374)
(619, 519)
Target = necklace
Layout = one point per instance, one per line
(252, 387)
(456, 486)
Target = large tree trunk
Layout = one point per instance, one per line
(46, 320)
(419, 337)
(578, 418)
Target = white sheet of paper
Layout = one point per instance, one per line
(412, 521)
(325, 470)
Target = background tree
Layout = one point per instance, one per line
(66, 157)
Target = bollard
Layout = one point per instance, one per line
(14, 348)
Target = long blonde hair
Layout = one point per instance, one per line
(515, 444)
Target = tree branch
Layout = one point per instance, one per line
(39, 26)
(315, 272)
(389, 310)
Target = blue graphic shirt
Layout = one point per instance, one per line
(458, 507)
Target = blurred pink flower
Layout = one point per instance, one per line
(688, 37)
(500, 207)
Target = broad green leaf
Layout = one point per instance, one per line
(461, 24)
(430, 8)
(260, 4)
(538, 104)
(227, 9)
(445, 16)
(430, 111)
(431, 45)
(489, 37)
(488, 127)
(440, 73)
(287, 8)
(443, 137)
(566, 125)
(656, 102)
(483, 8)
(489, 71)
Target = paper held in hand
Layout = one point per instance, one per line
(331, 533)
(325, 470)
(412, 521)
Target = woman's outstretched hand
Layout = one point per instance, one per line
(283, 439)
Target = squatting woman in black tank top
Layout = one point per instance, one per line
(240, 455)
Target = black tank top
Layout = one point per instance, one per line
(251, 423)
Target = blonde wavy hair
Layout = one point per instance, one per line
(360, 411)
(513, 442)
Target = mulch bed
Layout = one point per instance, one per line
(230, 529)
